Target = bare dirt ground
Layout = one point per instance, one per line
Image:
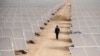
(46, 44)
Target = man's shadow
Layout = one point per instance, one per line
(65, 48)
(65, 32)
(62, 40)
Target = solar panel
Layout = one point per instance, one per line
(77, 51)
(85, 30)
(89, 40)
(96, 37)
(15, 34)
(36, 28)
(6, 47)
(29, 35)
(97, 23)
(0, 33)
(18, 25)
(18, 33)
(82, 24)
(20, 44)
(93, 51)
(26, 26)
(5, 44)
(7, 53)
(77, 40)
(8, 25)
(17, 20)
(90, 24)
(85, 40)
(7, 32)
(75, 29)
(85, 19)
(9, 20)
(75, 24)
(41, 24)
(85, 51)
(94, 30)
(2, 25)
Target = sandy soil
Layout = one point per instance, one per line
(46, 44)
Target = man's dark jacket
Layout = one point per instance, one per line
(57, 30)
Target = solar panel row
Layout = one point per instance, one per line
(85, 40)
(85, 51)
(20, 19)
(6, 47)
(85, 28)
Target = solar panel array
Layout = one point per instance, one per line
(85, 51)
(20, 19)
(6, 47)
(86, 40)
(85, 28)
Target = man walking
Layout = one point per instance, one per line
(57, 30)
